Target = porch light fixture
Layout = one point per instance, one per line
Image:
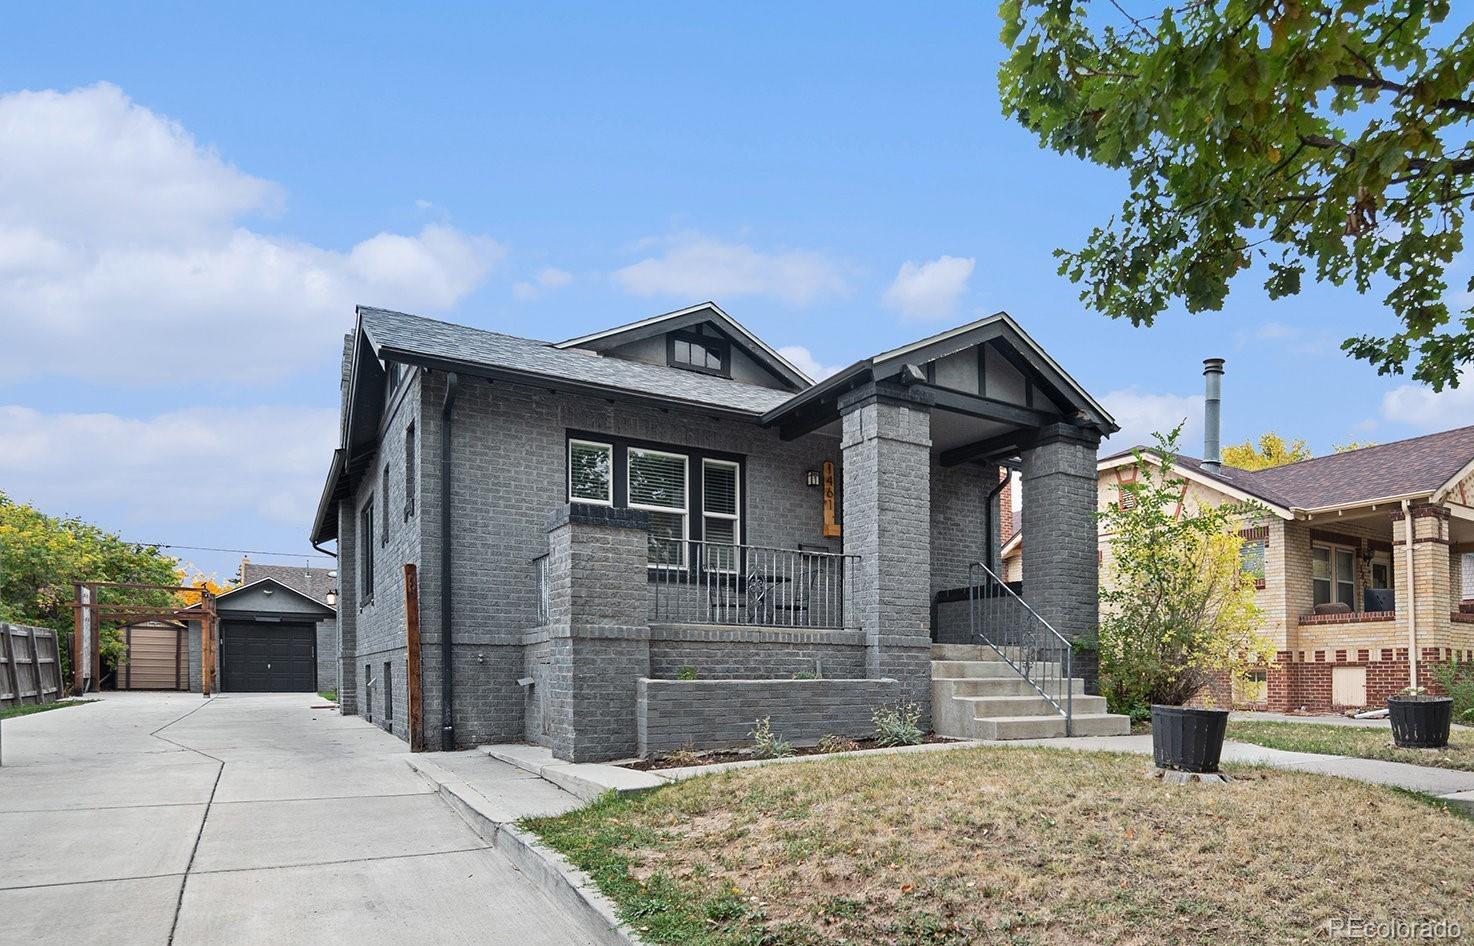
(812, 478)
(332, 597)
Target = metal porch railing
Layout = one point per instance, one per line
(1024, 640)
(715, 583)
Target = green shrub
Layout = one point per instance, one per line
(1457, 680)
(686, 673)
(767, 744)
(896, 725)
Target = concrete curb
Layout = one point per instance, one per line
(568, 887)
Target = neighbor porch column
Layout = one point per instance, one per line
(887, 523)
(1428, 589)
(1061, 566)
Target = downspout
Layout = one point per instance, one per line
(447, 724)
(1412, 600)
(989, 523)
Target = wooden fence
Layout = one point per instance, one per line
(29, 669)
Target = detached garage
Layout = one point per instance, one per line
(272, 639)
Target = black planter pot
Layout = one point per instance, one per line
(1190, 740)
(1420, 722)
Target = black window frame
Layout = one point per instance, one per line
(366, 554)
(388, 684)
(710, 342)
(409, 471)
(695, 498)
(384, 526)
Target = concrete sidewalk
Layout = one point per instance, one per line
(166, 818)
(1451, 785)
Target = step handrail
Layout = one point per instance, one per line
(1004, 621)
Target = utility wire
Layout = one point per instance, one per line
(208, 548)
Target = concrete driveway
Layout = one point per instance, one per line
(166, 818)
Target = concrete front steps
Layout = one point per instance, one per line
(975, 695)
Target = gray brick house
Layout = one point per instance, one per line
(629, 540)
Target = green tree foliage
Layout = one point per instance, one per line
(1353, 445)
(1271, 451)
(41, 556)
(1311, 135)
(1176, 605)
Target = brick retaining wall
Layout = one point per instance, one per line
(718, 714)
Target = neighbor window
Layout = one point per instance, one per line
(393, 374)
(721, 509)
(1333, 574)
(699, 353)
(1381, 573)
(409, 472)
(657, 484)
(1251, 559)
(366, 553)
(590, 472)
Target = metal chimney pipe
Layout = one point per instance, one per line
(1212, 411)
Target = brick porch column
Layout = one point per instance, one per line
(598, 635)
(887, 522)
(1431, 579)
(1061, 566)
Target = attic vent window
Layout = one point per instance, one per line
(696, 352)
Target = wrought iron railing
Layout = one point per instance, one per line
(1027, 642)
(544, 592)
(716, 583)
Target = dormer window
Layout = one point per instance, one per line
(695, 351)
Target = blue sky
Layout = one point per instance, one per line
(223, 186)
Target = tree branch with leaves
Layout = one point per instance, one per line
(1306, 135)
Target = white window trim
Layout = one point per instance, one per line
(608, 448)
(735, 517)
(685, 512)
(1381, 558)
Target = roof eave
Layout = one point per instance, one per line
(1204, 479)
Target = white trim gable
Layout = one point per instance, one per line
(1193, 476)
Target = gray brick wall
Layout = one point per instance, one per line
(327, 655)
(1061, 579)
(379, 633)
(750, 653)
(719, 714)
(347, 612)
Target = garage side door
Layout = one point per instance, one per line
(268, 658)
(153, 659)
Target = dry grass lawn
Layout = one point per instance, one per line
(1015, 845)
(1360, 742)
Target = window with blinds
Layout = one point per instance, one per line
(657, 484)
(590, 472)
(721, 516)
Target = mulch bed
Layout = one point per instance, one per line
(715, 757)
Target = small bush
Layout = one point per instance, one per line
(833, 743)
(896, 725)
(767, 744)
(686, 673)
(1457, 680)
(686, 755)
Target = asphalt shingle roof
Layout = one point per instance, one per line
(312, 582)
(418, 335)
(1420, 464)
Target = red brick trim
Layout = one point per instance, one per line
(1355, 617)
(1255, 534)
(1461, 617)
(1259, 584)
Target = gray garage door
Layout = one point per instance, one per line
(268, 658)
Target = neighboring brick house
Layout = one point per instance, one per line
(1335, 541)
(673, 499)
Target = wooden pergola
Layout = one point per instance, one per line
(89, 613)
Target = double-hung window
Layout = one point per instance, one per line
(656, 483)
(590, 472)
(1333, 574)
(721, 512)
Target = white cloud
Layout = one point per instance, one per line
(548, 278)
(1142, 414)
(804, 361)
(696, 267)
(929, 290)
(1422, 408)
(187, 466)
(122, 239)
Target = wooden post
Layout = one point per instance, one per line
(206, 661)
(36, 668)
(412, 657)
